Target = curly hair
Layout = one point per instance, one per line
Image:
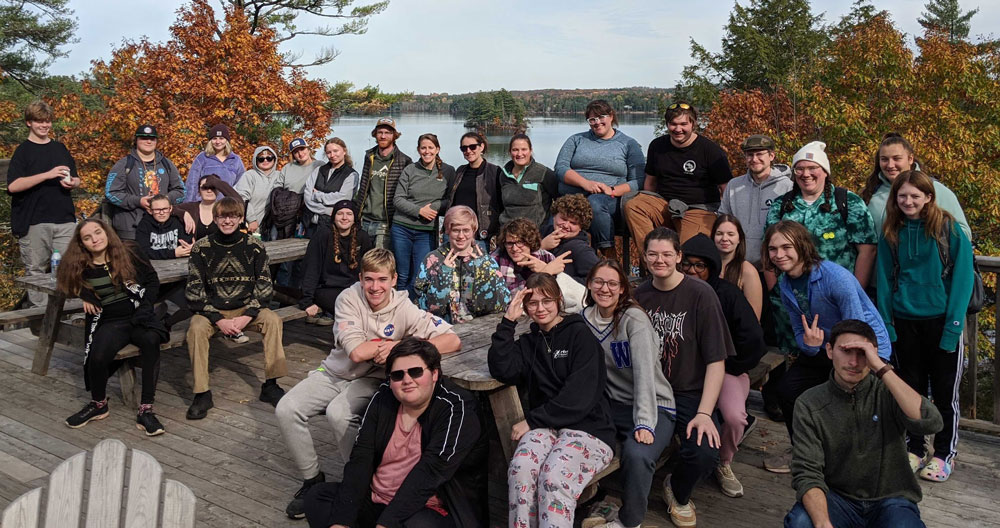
(575, 207)
(523, 229)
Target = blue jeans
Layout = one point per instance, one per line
(602, 227)
(377, 232)
(638, 461)
(410, 247)
(893, 512)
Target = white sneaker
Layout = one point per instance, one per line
(730, 485)
(680, 515)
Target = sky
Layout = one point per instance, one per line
(458, 46)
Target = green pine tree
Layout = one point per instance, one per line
(946, 16)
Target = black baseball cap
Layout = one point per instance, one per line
(146, 131)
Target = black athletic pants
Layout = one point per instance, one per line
(321, 498)
(804, 374)
(326, 298)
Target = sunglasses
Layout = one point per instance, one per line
(682, 106)
(207, 188)
(414, 372)
(465, 148)
(698, 266)
(262, 159)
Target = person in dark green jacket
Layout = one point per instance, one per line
(925, 278)
(849, 460)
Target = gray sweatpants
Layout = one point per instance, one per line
(36, 252)
(344, 400)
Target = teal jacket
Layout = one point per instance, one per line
(920, 292)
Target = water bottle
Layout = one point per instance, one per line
(56, 258)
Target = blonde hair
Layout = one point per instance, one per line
(378, 259)
(340, 142)
(210, 150)
(460, 214)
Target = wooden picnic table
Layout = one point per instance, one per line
(172, 270)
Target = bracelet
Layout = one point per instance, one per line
(705, 413)
(885, 368)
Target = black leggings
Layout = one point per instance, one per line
(106, 340)
(326, 298)
(322, 497)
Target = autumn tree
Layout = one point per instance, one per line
(184, 86)
(282, 17)
(946, 16)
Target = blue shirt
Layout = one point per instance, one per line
(611, 161)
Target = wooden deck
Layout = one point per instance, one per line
(237, 466)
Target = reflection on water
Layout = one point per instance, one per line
(547, 135)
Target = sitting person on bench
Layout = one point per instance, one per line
(459, 281)
(703, 260)
(161, 236)
(642, 402)
(854, 473)
(370, 319)
(419, 456)
(332, 262)
(571, 217)
(229, 289)
(567, 435)
(117, 287)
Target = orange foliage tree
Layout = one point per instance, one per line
(198, 78)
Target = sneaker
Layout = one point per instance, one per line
(92, 411)
(319, 320)
(200, 406)
(937, 470)
(297, 508)
(239, 338)
(751, 425)
(917, 462)
(270, 392)
(146, 421)
(774, 412)
(730, 485)
(680, 514)
(600, 514)
(778, 462)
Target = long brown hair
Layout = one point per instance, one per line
(801, 239)
(542, 283)
(625, 300)
(118, 256)
(933, 216)
(340, 142)
(734, 270)
(873, 182)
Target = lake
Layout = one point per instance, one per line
(547, 135)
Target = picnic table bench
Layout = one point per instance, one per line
(172, 270)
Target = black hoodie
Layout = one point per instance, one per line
(748, 337)
(560, 375)
(584, 257)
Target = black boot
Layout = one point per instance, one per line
(200, 406)
(297, 508)
(270, 392)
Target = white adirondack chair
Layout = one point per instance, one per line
(64, 503)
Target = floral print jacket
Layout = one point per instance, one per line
(471, 288)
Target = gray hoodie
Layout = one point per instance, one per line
(255, 186)
(750, 201)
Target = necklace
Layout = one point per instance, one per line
(548, 348)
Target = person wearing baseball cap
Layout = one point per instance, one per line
(133, 181)
(293, 177)
(383, 164)
(218, 158)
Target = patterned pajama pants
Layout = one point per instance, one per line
(548, 472)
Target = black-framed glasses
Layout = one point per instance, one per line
(465, 148)
(515, 243)
(687, 265)
(262, 159)
(682, 106)
(414, 372)
(594, 120)
(161, 210)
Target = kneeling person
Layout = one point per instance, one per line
(228, 287)
(835, 455)
(370, 319)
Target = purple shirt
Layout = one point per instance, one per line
(229, 171)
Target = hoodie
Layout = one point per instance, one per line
(560, 375)
(943, 197)
(130, 179)
(748, 337)
(584, 257)
(229, 170)
(357, 323)
(750, 202)
(255, 186)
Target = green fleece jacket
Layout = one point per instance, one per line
(920, 292)
(418, 187)
(853, 442)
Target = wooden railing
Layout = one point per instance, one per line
(987, 265)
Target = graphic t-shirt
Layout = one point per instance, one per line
(691, 174)
(375, 203)
(692, 329)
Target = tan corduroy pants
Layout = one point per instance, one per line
(201, 330)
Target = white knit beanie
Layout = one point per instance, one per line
(813, 151)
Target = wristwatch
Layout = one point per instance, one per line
(885, 368)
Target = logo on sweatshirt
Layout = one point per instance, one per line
(689, 166)
(559, 354)
(388, 330)
(621, 351)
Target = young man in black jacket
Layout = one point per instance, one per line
(419, 454)
(161, 236)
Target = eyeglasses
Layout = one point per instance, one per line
(659, 256)
(229, 217)
(698, 266)
(161, 210)
(262, 159)
(414, 372)
(600, 283)
(465, 148)
(514, 243)
(682, 106)
(533, 305)
(594, 120)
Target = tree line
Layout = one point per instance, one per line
(543, 102)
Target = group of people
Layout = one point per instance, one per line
(867, 295)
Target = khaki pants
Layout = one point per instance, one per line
(646, 212)
(267, 323)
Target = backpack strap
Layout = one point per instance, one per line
(944, 250)
(129, 164)
(840, 198)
